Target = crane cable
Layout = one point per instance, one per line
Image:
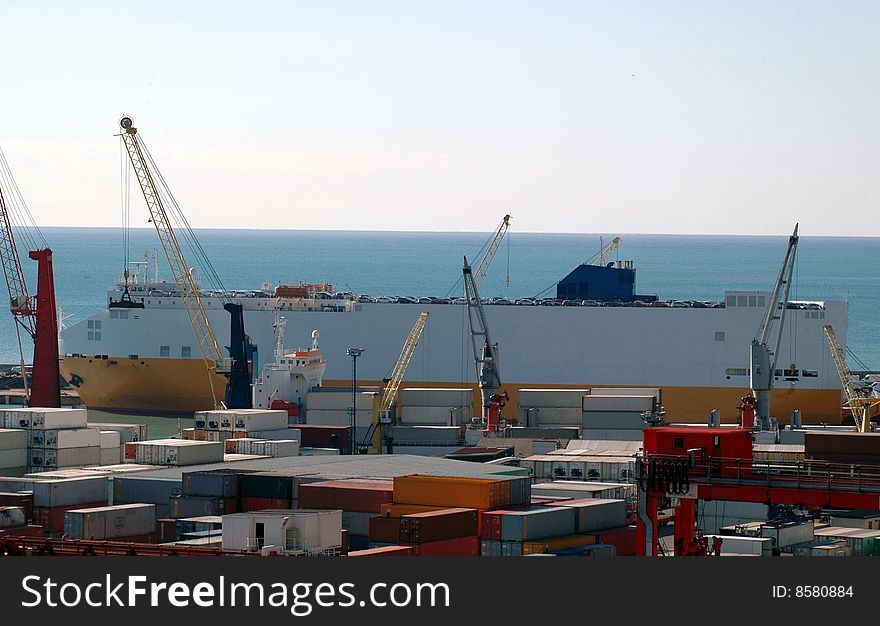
(20, 215)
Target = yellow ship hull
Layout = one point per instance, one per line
(181, 386)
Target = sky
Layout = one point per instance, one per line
(631, 117)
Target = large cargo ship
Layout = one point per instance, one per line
(141, 356)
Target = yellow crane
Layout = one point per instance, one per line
(382, 413)
(491, 249)
(858, 403)
(604, 252)
(147, 175)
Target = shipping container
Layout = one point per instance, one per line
(452, 491)
(127, 432)
(109, 439)
(624, 540)
(394, 509)
(220, 483)
(490, 548)
(511, 548)
(436, 396)
(70, 491)
(40, 418)
(384, 551)
(547, 398)
(349, 495)
(23, 500)
(556, 543)
(593, 514)
(13, 439)
(655, 392)
(149, 490)
(356, 522)
(321, 436)
(51, 458)
(384, 529)
(241, 420)
(786, 535)
(64, 438)
(627, 403)
(110, 456)
(166, 530)
(256, 503)
(13, 459)
(110, 522)
(599, 549)
(435, 415)
(195, 506)
(178, 452)
(537, 524)
(461, 546)
(269, 485)
(275, 448)
(425, 435)
(580, 489)
(339, 417)
(490, 524)
(438, 525)
(52, 518)
(12, 517)
(204, 523)
(338, 400)
(319, 452)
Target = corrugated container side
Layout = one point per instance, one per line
(595, 514)
(134, 489)
(393, 509)
(438, 525)
(475, 493)
(267, 485)
(349, 495)
(384, 529)
(624, 540)
(556, 543)
(536, 524)
(461, 546)
(252, 503)
(490, 548)
(70, 491)
(193, 506)
(52, 518)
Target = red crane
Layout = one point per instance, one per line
(37, 316)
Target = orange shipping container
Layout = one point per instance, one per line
(557, 543)
(130, 450)
(451, 491)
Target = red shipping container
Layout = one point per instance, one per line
(322, 436)
(438, 525)
(22, 531)
(490, 524)
(385, 529)
(359, 495)
(384, 551)
(262, 504)
(460, 546)
(52, 518)
(623, 539)
(130, 450)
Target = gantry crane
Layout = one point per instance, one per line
(235, 369)
(491, 249)
(604, 252)
(858, 403)
(762, 360)
(382, 404)
(37, 316)
(485, 354)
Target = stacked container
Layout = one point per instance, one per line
(175, 452)
(556, 407)
(437, 406)
(13, 451)
(125, 521)
(57, 437)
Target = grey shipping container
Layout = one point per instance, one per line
(110, 522)
(536, 524)
(70, 491)
(13, 438)
(131, 489)
(490, 548)
(511, 548)
(216, 483)
(595, 514)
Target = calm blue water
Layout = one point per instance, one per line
(89, 260)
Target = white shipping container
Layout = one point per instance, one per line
(338, 417)
(127, 432)
(64, 438)
(613, 420)
(70, 491)
(44, 418)
(618, 403)
(580, 489)
(242, 420)
(555, 416)
(421, 396)
(110, 439)
(435, 415)
(336, 400)
(627, 391)
(560, 398)
(178, 452)
(50, 458)
(13, 458)
(13, 439)
(277, 448)
(753, 546)
(111, 456)
(281, 433)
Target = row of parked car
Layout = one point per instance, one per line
(502, 301)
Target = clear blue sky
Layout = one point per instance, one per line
(681, 117)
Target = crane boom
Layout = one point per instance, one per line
(762, 360)
(389, 396)
(857, 402)
(491, 249)
(189, 293)
(604, 252)
(484, 351)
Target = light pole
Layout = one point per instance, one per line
(354, 353)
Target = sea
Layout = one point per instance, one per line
(88, 261)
